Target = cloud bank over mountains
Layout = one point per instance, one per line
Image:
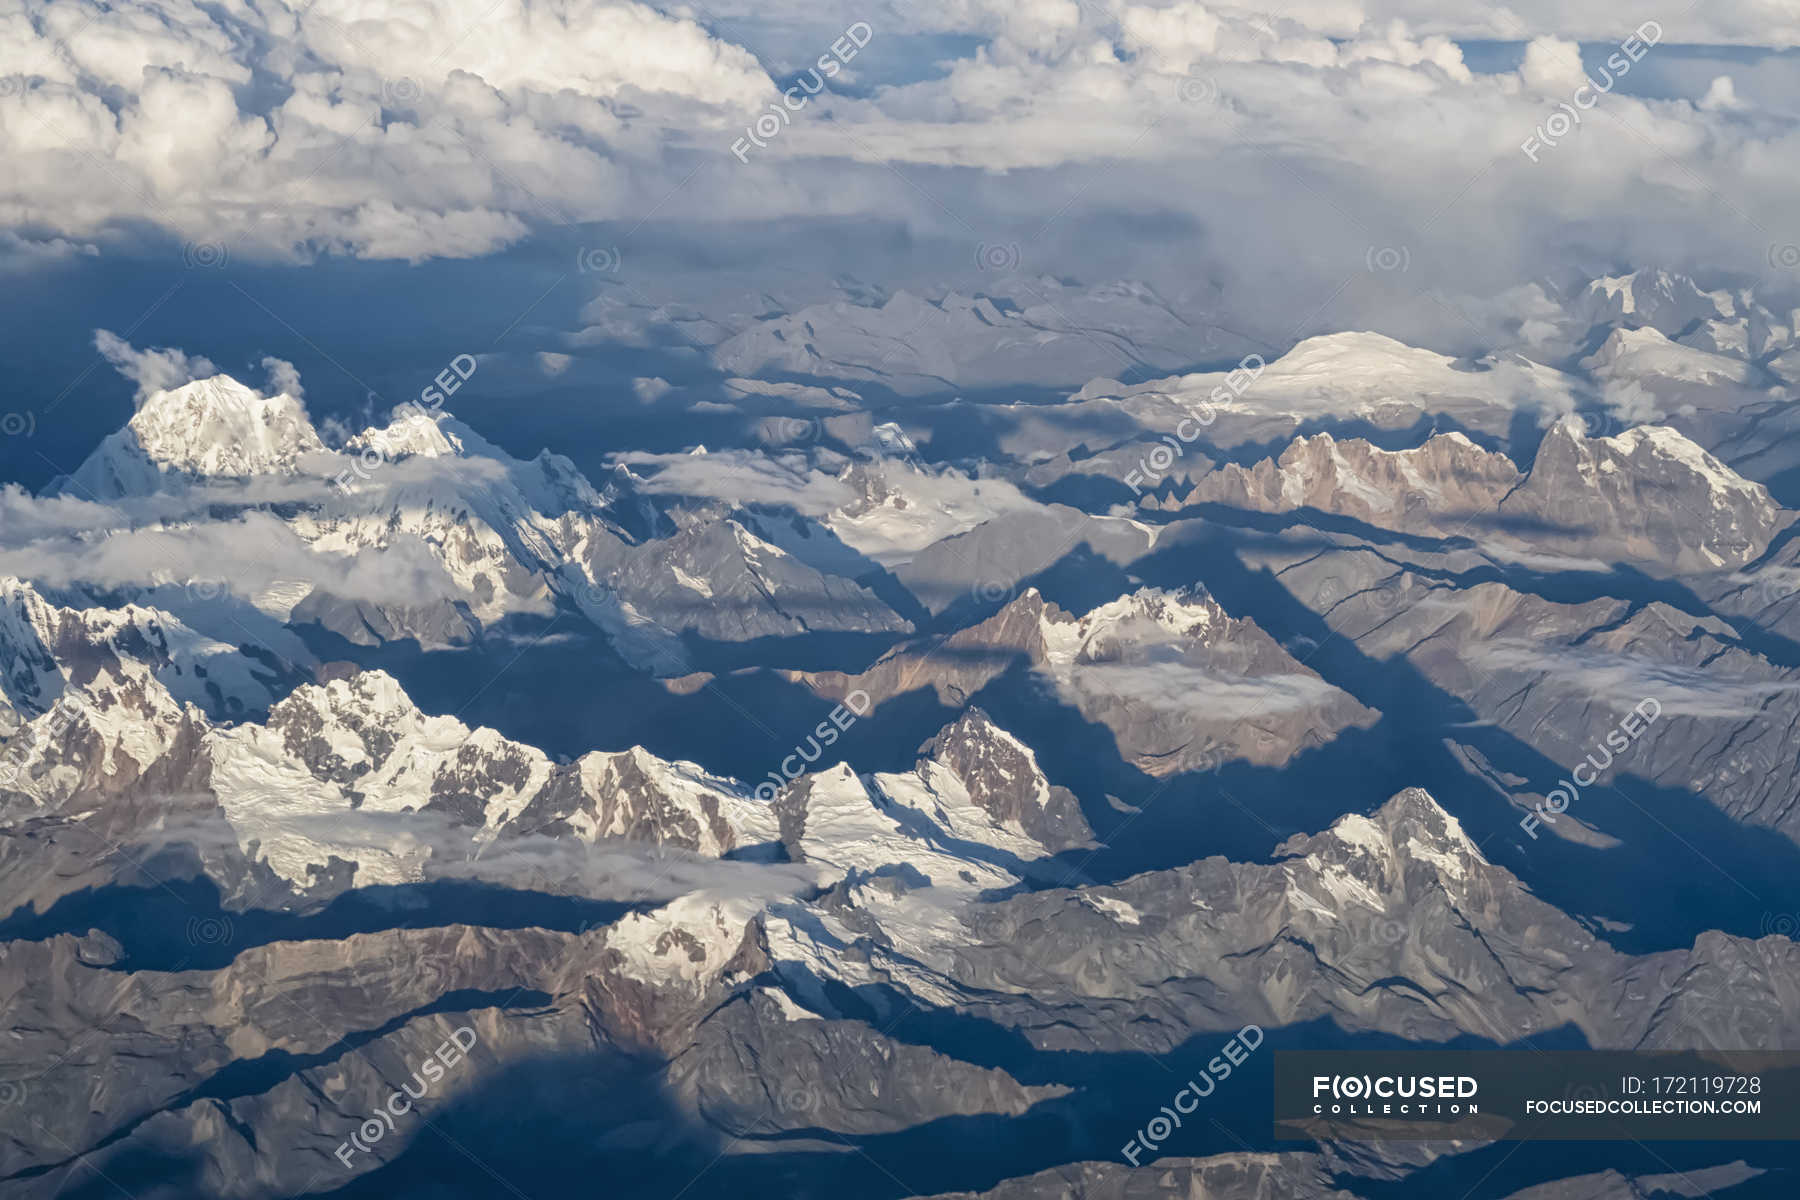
(455, 128)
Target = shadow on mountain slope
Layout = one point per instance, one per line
(183, 924)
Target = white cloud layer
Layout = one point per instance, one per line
(1296, 134)
(438, 127)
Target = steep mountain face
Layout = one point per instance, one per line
(690, 988)
(1392, 922)
(1000, 775)
(500, 529)
(95, 697)
(1655, 299)
(1435, 488)
(208, 429)
(485, 535)
(1647, 496)
(721, 582)
(1179, 683)
(739, 1014)
(998, 556)
(360, 745)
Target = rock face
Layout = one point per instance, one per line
(1392, 922)
(1001, 776)
(1177, 681)
(1655, 299)
(741, 1013)
(90, 694)
(719, 581)
(1646, 495)
(997, 557)
(360, 747)
(1436, 488)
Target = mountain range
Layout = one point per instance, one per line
(903, 806)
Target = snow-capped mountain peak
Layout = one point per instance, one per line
(218, 426)
(1658, 445)
(1152, 615)
(411, 432)
(209, 428)
(1656, 298)
(1647, 494)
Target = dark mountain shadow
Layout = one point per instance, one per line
(1095, 493)
(821, 651)
(743, 724)
(1243, 812)
(518, 679)
(1757, 870)
(148, 1174)
(245, 1078)
(1079, 581)
(1504, 1169)
(558, 685)
(184, 924)
(1087, 491)
(563, 1123)
(1621, 581)
(1784, 486)
(1115, 1093)
(541, 1126)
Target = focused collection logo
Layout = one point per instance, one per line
(1395, 1095)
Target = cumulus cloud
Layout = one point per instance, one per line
(284, 377)
(1721, 94)
(1277, 146)
(1719, 22)
(152, 369)
(439, 128)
